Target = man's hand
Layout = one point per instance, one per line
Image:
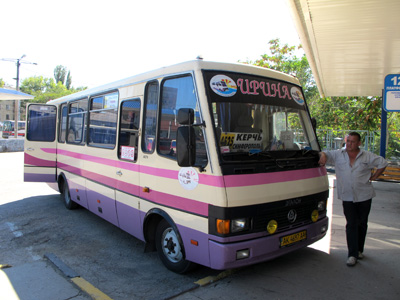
(322, 159)
(376, 174)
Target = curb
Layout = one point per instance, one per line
(81, 283)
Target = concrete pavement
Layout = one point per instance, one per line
(320, 271)
(37, 280)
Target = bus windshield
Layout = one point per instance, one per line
(259, 118)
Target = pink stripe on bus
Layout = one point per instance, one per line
(180, 203)
(38, 162)
(275, 177)
(204, 179)
(169, 200)
(210, 180)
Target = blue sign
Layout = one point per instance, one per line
(391, 95)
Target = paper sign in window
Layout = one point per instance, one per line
(128, 153)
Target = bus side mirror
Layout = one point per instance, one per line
(185, 116)
(186, 138)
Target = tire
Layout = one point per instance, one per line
(69, 204)
(170, 249)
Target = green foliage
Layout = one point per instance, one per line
(338, 113)
(1, 82)
(347, 113)
(332, 113)
(59, 74)
(45, 89)
(69, 80)
(283, 58)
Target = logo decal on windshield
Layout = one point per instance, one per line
(223, 85)
(297, 95)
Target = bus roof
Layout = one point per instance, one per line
(193, 65)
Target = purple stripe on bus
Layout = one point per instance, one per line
(32, 177)
(199, 254)
(261, 249)
(78, 193)
(102, 206)
(276, 177)
(34, 161)
(130, 220)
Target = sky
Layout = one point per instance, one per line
(106, 40)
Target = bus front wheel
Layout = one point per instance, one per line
(169, 248)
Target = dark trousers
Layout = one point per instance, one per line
(357, 223)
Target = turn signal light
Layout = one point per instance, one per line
(223, 226)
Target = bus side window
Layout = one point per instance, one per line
(63, 124)
(179, 92)
(41, 123)
(103, 118)
(76, 133)
(129, 130)
(150, 117)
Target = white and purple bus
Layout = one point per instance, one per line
(222, 177)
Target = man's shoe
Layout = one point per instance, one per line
(351, 261)
(360, 255)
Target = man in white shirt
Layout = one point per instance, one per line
(353, 168)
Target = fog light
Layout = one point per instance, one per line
(242, 254)
(314, 215)
(324, 229)
(272, 226)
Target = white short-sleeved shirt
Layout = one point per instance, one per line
(353, 181)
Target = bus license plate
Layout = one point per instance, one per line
(293, 238)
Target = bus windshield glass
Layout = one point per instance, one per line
(257, 118)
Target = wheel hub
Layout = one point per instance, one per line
(171, 246)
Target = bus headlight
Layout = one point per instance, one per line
(321, 205)
(314, 215)
(232, 226)
(239, 225)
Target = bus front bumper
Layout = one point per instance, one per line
(244, 253)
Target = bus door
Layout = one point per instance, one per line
(127, 172)
(99, 157)
(40, 146)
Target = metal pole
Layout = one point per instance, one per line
(382, 150)
(16, 104)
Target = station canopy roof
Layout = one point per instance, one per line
(351, 45)
(6, 94)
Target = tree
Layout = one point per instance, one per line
(2, 83)
(69, 80)
(59, 74)
(340, 113)
(334, 113)
(284, 59)
(45, 89)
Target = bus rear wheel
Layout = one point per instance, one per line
(170, 250)
(69, 204)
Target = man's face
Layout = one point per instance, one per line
(352, 143)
